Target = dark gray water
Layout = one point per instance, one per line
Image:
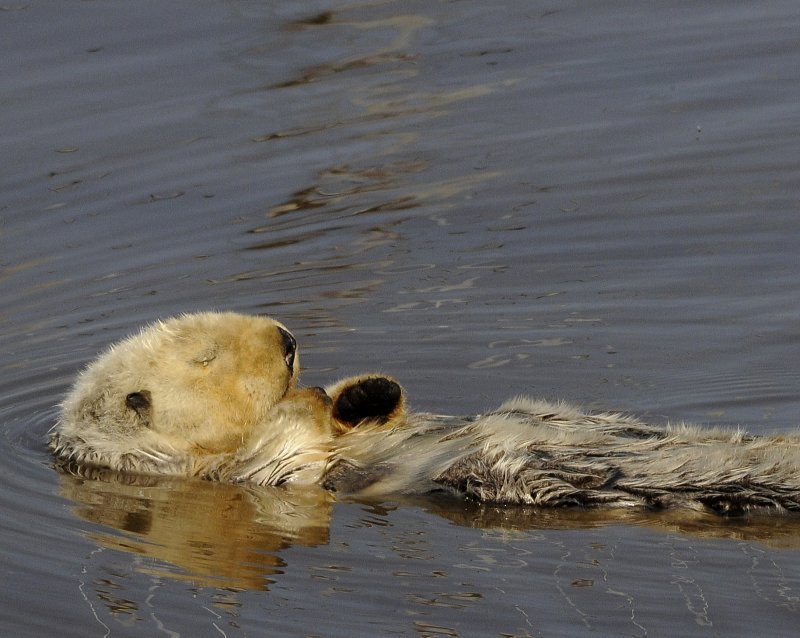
(596, 201)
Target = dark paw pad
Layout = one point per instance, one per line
(373, 398)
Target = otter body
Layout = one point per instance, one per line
(215, 395)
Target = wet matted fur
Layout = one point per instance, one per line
(214, 395)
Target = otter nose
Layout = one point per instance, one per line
(289, 347)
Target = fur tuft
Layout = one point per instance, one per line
(215, 395)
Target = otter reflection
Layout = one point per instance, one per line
(213, 534)
(770, 531)
(233, 536)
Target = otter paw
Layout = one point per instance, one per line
(373, 398)
(320, 395)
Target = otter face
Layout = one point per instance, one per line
(196, 384)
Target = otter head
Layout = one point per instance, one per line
(193, 385)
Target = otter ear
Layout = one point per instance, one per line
(140, 402)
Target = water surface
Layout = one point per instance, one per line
(596, 202)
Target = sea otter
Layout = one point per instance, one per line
(215, 395)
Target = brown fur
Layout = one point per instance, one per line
(215, 395)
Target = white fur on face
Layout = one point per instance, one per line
(203, 382)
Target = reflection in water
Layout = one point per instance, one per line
(210, 533)
(315, 73)
(323, 17)
(335, 185)
(395, 102)
(232, 536)
(338, 186)
(345, 191)
(349, 208)
(405, 25)
(775, 532)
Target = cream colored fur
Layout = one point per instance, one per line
(215, 395)
(221, 391)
